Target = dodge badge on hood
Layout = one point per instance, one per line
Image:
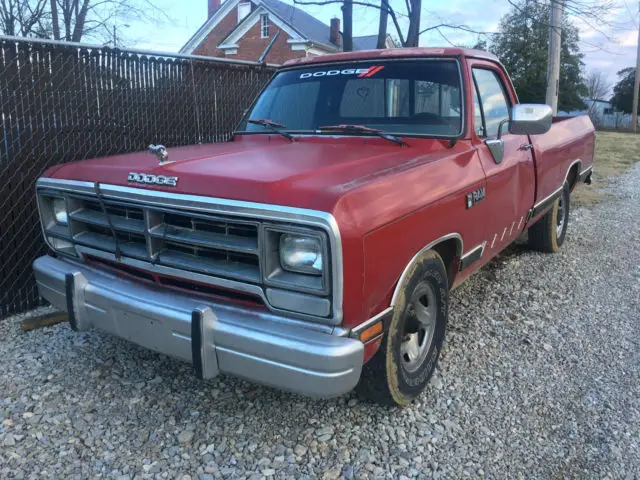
(150, 179)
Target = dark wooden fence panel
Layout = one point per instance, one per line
(66, 102)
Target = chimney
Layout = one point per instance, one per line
(334, 31)
(213, 6)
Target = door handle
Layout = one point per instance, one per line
(525, 146)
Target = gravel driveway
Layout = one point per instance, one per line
(540, 377)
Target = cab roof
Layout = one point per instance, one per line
(392, 53)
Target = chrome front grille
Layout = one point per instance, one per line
(209, 244)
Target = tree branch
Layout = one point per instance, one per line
(390, 10)
(456, 27)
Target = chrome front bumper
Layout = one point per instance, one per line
(215, 337)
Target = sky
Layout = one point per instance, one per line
(608, 46)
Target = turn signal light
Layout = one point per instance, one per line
(371, 332)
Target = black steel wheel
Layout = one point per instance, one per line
(548, 233)
(408, 354)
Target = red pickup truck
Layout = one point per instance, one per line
(316, 250)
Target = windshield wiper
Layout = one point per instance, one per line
(272, 126)
(362, 129)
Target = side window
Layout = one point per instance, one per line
(437, 98)
(478, 123)
(426, 97)
(495, 105)
(397, 91)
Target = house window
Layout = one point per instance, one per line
(244, 9)
(264, 25)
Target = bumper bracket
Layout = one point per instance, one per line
(203, 349)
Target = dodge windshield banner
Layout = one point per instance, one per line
(360, 72)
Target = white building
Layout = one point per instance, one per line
(602, 114)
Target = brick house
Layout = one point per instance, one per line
(242, 29)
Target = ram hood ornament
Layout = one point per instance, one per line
(161, 153)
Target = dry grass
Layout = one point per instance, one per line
(615, 153)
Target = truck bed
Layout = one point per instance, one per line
(570, 140)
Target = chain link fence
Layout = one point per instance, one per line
(63, 102)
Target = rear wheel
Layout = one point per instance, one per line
(409, 352)
(548, 233)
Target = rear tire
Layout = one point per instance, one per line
(547, 234)
(408, 354)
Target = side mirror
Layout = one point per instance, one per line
(530, 119)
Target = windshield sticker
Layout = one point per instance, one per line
(370, 72)
(360, 72)
(362, 92)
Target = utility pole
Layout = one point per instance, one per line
(347, 27)
(634, 111)
(553, 61)
(115, 33)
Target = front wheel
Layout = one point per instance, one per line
(548, 233)
(409, 352)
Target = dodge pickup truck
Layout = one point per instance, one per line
(316, 250)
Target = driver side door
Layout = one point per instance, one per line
(507, 161)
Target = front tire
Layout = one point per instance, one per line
(408, 354)
(547, 234)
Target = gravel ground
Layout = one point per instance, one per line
(540, 378)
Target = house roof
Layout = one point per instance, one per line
(313, 29)
(367, 42)
(307, 26)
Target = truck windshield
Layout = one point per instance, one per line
(401, 97)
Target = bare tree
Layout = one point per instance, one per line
(347, 28)
(593, 13)
(55, 22)
(598, 85)
(414, 8)
(23, 18)
(73, 20)
(382, 26)
(407, 39)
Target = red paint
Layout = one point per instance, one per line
(452, 52)
(388, 201)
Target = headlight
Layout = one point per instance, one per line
(296, 269)
(301, 254)
(60, 211)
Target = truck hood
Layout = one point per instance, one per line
(312, 172)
